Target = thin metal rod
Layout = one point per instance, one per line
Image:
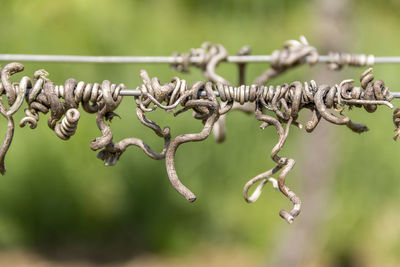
(155, 59)
(396, 94)
(136, 92)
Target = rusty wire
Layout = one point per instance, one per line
(271, 105)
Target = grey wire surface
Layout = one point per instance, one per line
(136, 92)
(155, 59)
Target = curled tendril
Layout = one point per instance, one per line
(284, 101)
(209, 55)
(174, 94)
(396, 122)
(69, 124)
(286, 164)
(338, 60)
(42, 96)
(105, 114)
(209, 117)
(293, 54)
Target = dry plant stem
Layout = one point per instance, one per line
(105, 114)
(286, 164)
(209, 73)
(112, 152)
(68, 125)
(284, 101)
(219, 129)
(322, 108)
(7, 142)
(338, 60)
(43, 97)
(211, 56)
(396, 122)
(212, 106)
(244, 51)
(293, 54)
(123, 144)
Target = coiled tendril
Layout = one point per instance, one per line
(293, 54)
(339, 60)
(42, 96)
(284, 101)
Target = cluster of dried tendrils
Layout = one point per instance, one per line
(210, 101)
(284, 101)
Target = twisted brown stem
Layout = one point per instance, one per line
(284, 101)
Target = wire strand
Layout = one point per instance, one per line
(157, 59)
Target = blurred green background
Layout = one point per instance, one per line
(61, 203)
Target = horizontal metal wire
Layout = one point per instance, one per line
(155, 59)
(136, 92)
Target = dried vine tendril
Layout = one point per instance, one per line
(42, 96)
(294, 53)
(284, 101)
(276, 106)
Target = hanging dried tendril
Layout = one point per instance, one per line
(276, 106)
(284, 101)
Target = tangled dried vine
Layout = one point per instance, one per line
(276, 106)
(42, 96)
(294, 53)
(285, 101)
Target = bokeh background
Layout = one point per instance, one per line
(60, 206)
